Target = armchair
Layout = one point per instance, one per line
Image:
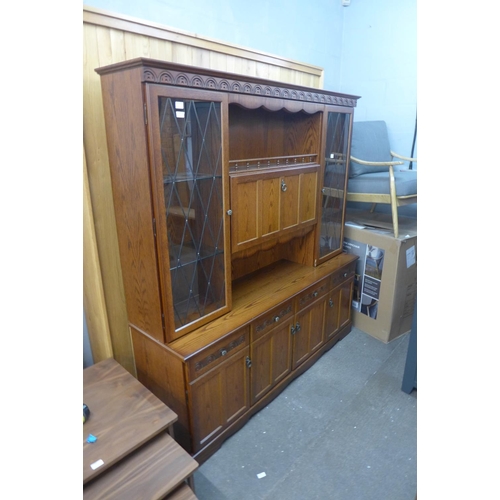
(374, 174)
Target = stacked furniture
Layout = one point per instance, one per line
(229, 196)
(128, 448)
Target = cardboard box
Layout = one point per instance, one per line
(385, 286)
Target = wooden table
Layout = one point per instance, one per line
(135, 455)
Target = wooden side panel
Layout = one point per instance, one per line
(123, 108)
(163, 374)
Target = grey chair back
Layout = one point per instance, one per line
(370, 142)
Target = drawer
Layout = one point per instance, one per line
(270, 319)
(216, 353)
(343, 274)
(311, 294)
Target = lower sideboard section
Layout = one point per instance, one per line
(212, 446)
(217, 378)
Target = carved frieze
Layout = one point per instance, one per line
(193, 80)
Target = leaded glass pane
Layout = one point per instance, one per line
(191, 151)
(334, 182)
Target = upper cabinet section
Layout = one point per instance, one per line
(209, 168)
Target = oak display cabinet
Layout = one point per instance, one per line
(229, 196)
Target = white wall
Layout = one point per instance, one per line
(366, 49)
(379, 63)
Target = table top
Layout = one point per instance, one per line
(123, 416)
(153, 471)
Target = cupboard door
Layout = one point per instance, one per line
(271, 359)
(308, 196)
(270, 199)
(188, 151)
(290, 186)
(308, 334)
(345, 300)
(218, 398)
(269, 203)
(337, 140)
(332, 313)
(245, 219)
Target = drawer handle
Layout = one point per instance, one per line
(283, 185)
(330, 303)
(276, 319)
(223, 352)
(315, 294)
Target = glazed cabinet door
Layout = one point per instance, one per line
(218, 398)
(188, 149)
(334, 183)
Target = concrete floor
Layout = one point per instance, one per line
(344, 430)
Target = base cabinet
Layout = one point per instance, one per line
(229, 202)
(234, 378)
(218, 398)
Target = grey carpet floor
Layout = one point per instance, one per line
(343, 430)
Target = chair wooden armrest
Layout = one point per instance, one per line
(406, 158)
(377, 163)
